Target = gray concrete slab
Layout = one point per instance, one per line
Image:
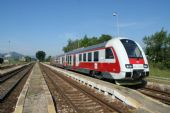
(128, 96)
(35, 96)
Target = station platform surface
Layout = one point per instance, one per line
(35, 96)
(142, 103)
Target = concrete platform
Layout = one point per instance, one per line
(35, 96)
(4, 71)
(129, 96)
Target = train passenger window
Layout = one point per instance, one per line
(70, 59)
(67, 59)
(62, 60)
(84, 57)
(74, 58)
(89, 56)
(96, 56)
(108, 53)
(80, 57)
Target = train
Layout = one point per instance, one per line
(119, 59)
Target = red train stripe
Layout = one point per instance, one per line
(102, 67)
(136, 61)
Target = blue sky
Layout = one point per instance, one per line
(33, 25)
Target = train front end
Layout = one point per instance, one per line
(134, 64)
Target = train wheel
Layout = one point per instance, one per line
(96, 74)
(92, 73)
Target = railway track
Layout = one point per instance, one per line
(156, 94)
(6, 76)
(6, 67)
(70, 96)
(8, 82)
(7, 104)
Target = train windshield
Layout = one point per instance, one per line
(131, 48)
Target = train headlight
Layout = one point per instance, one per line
(129, 66)
(145, 65)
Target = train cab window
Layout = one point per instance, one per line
(132, 49)
(96, 56)
(109, 53)
(84, 57)
(89, 56)
(80, 57)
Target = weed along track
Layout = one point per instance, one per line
(70, 96)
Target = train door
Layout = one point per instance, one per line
(77, 60)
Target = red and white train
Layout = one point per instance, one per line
(120, 59)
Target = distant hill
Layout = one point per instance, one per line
(14, 55)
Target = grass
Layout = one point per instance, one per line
(154, 71)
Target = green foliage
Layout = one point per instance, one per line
(40, 55)
(104, 38)
(1, 60)
(156, 71)
(160, 65)
(28, 59)
(48, 59)
(158, 48)
(85, 42)
(167, 64)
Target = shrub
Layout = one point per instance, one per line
(167, 64)
(1, 60)
(160, 65)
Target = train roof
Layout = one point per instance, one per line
(90, 47)
(60, 55)
(87, 48)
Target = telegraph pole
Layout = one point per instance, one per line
(117, 21)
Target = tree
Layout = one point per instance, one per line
(40, 55)
(85, 42)
(48, 59)
(1, 60)
(158, 47)
(104, 38)
(28, 59)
